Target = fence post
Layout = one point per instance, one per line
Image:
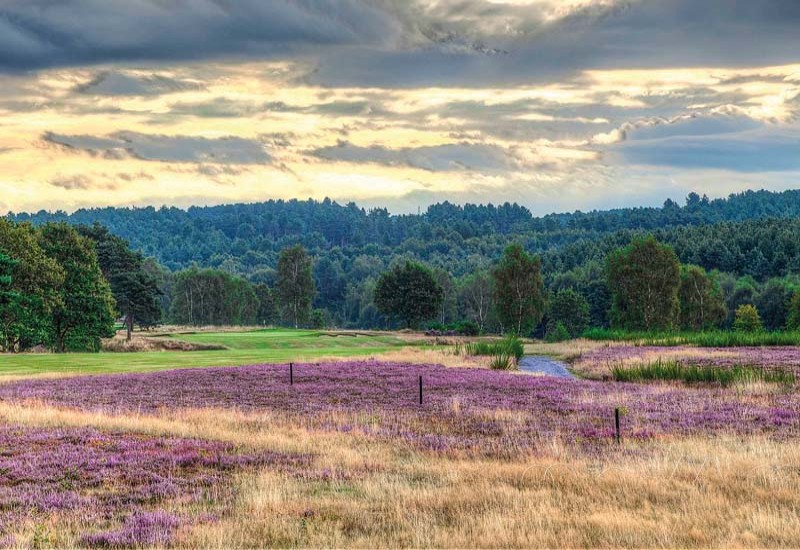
(291, 374)
(616, 424)
(420, 390)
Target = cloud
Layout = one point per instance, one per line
(437, 158)
(42, 33)
(749, 151)
(118, 83)
(161, 148)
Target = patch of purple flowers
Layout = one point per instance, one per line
(98, 478)
(464, 410)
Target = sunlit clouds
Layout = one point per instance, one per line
(479, 101)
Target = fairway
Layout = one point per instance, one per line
(244, 348)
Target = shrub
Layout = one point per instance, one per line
(569, 309)
(557, 332)
(468, 328)
(747, 319)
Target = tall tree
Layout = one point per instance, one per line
(701, 300)
(773, 303)
(449, 307)
(409, 293)
(476, 295)
(35, 278)
(644, 278)
(136, 289)
(519, 290)
(85, 311)
(296, 286)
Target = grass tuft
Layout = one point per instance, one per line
(698, 374)
(707, 339)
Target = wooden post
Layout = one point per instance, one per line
(291, 374)
(616, 424)
(420, 390)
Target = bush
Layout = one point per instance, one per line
(557, 332)
(747, 319)
(468, 328)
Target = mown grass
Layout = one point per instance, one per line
(708, 339)
(244, 348)
(700, 374)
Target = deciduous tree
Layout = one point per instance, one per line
(644, 278)
(519, 290)
(701, 300)
(408, 293)
(296, 286)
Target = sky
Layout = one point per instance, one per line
(555, 105)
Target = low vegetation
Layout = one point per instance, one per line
(505, 354)
(701, 374)
(706, 339)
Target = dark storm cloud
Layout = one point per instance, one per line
(42, 33)
(227, 150)
(640, 34)
(404, 43)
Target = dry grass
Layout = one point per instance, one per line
(669, 493)
(139, 343)
(569, 351)
(680, 494)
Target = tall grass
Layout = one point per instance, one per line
(708, 339)
(699, 374)
(505, 353)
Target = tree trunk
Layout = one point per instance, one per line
(129, 325)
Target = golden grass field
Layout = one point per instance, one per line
(672, 493)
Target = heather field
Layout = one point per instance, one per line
(347, 456)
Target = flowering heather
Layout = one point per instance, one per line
(111, 485)
(464, 410)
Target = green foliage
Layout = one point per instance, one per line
(212, 297)
(644, 278)
(26, 319)
(268, 310)
(570, 310)
(318, 320)
(409, 293)
(747, 319)
(135, 288)
(702, 305)
(510, 345)
(518, 290)
(476, 298)
(793, 318)
(557, 332)
(709, 339)
(772, 303)
(296, 287)
(84, 312)
(701, 374)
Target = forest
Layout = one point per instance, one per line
(229, 264)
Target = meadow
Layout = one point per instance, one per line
(342, 453)
(237, 348)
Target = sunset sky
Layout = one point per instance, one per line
(557, 105)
